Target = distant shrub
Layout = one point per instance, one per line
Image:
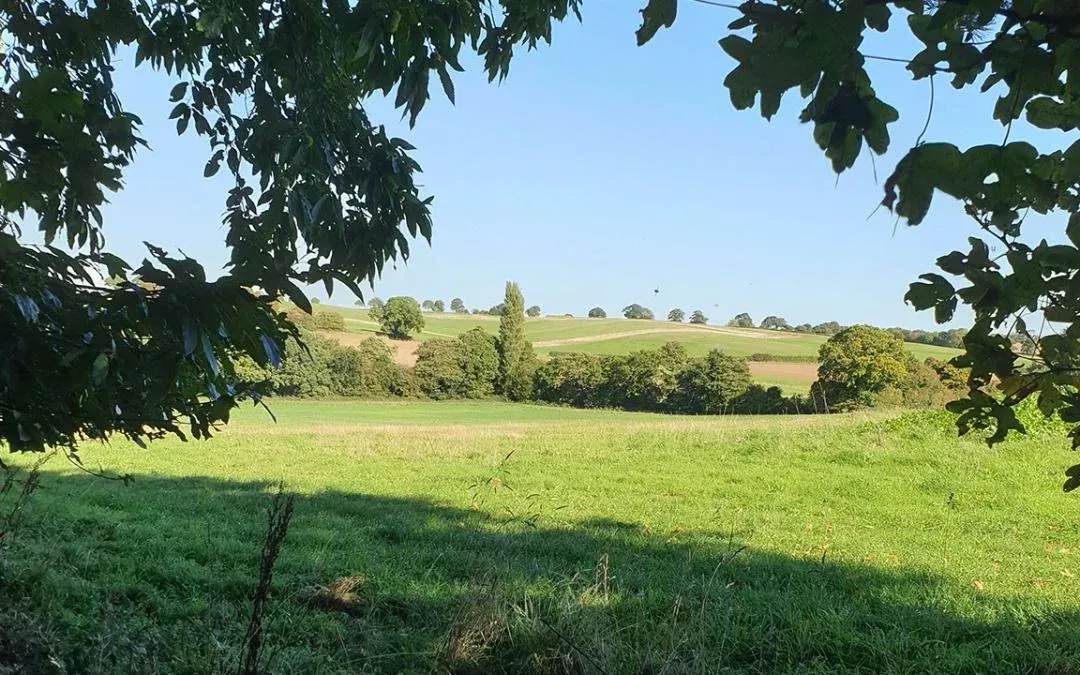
(438, 368)
(479, 361)
(570, 379)
(856, 364)
(713, 384)
(758, 400)
(300, 318)
(597, 313)
(376, 374)
(401, 316)
(781, 358)
(644, 380)
(305, 370)
(326, 368)
(332, 321)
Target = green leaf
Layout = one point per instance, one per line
(179, 110)
(1072, 478)
(657, 14)
(447, 83)
(177, 93)
(100, 369)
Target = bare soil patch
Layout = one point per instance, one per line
(404, 350)
(779, 370)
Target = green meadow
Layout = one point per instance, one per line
(490, 537)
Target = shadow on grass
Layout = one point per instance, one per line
(155, 576)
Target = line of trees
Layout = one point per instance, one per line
(945, 338)
(859, 366)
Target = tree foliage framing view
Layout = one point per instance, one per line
(320, 194)
(1026, 53)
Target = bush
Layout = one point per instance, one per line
(713, 384)
(306, 372)
(597, 313)
(332, 321)
(570, 379)
(644, 380)
(438, 369)
(858, 363)
(376, 374)
(400, 317)
(757, 400)
(479, 360)
(326, 368)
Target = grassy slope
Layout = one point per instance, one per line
(866, 546)
(697, 341)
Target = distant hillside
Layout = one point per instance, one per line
(793, 373)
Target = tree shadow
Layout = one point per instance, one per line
(157, 575)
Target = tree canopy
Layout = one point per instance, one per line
(698, 317)
(597, 313)
(741, 321)
(1020, 52)
(319, 193)
(676, 315)
(636, 311)
(457, 305)
(400, 317)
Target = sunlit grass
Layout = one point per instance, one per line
(554, 537)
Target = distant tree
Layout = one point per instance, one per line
(857, 363)
(375, 307)
(332, 321)
(676, 315)
(741, 321)
(827, 328)
(803, 328)
(457, 305)
(479, 361)
(516, 359)
(775, 323)
(438, 368)
(636, 311)
(699, 317)
(533, 311)
(571, 379)
(427, 305)
(712, 384)
(316, 301)
(597, 313)
(644, 380)
(359, 302)
(438, 306)
(400, 317)
(497, 310)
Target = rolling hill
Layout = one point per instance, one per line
(622, 336)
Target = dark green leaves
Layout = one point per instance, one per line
(657, 14)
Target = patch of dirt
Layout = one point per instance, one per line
(404, 350)
(804, 373)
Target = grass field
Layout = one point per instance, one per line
(487, 537)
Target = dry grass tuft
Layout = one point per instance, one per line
(345, 595)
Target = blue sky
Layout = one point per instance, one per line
(600, 171)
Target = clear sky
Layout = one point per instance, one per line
(599, 172)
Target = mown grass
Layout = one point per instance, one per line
(485, 537)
